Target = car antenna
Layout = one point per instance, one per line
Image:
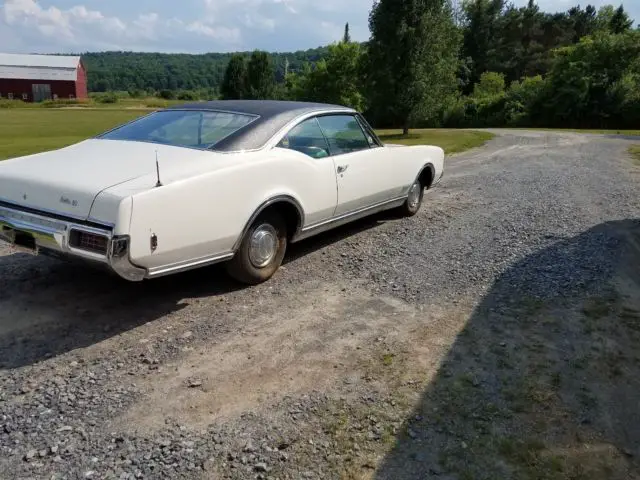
(159, 183)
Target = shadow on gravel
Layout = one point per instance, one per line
(48, 308)
(544, 380)
(621, 136)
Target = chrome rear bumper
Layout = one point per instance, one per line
(35, 233)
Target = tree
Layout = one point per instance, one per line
(592, 83)
(479, 40)
(412, 59)
(260, 76)
(336, 79)
(234, 83)
(347, 35)
(583, 21)
(620, 21)
(490, 84)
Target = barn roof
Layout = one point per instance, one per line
(38, 67)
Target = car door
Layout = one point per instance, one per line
(318, 182)
(365, 174)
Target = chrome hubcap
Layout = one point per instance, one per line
(414, 195)
(264, 246)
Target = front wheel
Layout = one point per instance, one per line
(414, 200)
(261, 251)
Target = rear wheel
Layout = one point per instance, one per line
(414, 200)
(261, 251)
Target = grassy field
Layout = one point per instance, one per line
(634, 151)
(26, 131)
(451, 140)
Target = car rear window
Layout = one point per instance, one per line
(184, 128)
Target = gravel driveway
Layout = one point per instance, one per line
(494, 335)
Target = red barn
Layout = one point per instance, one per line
(34, 78)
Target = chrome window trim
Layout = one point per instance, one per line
(326, 140)
(277, 138)
(367, 127)
(210, 148)
(355, 117)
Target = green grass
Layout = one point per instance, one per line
(90, 104)
(634, 151)
(25, 131)
(452, 141)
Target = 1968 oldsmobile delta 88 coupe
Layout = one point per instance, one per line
(224, 181)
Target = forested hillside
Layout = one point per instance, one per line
(488, 64)
(129, 71)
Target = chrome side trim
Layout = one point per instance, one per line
(262, 207)
(188, 265)
(59, 216)
(326, 225)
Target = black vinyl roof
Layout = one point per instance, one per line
(273, 115)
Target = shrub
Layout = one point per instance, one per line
(490, 85)
(454, 114)
(522, 99)
(156, 103)
(6, 103)
(109, 97)
(167, 94)
(187, 95)
(65, 102)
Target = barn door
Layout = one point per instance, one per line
(41, 91)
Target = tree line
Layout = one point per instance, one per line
(489, 64)
(428, 64)
(150, 73)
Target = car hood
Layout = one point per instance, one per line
(68, 180)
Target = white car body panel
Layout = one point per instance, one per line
(205, 202)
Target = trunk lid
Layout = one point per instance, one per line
(67, 181)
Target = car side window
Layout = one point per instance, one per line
(344, 134)
(307, 138)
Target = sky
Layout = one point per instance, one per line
(194, 26)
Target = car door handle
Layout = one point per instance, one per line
(342, 168)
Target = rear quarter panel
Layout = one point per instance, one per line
(414, 158)
(205, 215)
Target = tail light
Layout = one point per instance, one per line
(90, 242)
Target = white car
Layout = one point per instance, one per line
(198, 184)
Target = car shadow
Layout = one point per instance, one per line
(300, 249)
(50, 307)
(543, 380)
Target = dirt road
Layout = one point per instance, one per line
(494, 335)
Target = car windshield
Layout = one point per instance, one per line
(184, 128)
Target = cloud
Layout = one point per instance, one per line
(188, 25)
(194, 25)
(78, 28)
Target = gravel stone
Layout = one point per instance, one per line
(65, 382)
